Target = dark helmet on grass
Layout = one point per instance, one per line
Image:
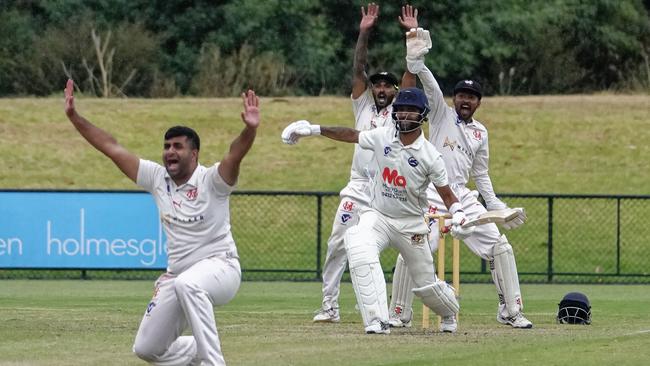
(574, 308)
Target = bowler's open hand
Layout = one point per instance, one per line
(69, 98)
(251, 113)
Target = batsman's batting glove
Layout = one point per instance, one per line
(457, 229)
(517, 221)
(299, 129)
(418, 43)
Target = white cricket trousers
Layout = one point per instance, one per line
(378, 232)
(354, 197)
(187, 300)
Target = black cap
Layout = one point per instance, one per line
(386, 76)
(470, 86)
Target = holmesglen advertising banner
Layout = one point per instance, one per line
(100, 230)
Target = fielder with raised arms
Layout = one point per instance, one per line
(203, 267)
(371, 103)
(463, 143)
(405, 163)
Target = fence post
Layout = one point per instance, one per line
(319, 209)
(549, 270)
(618, 236)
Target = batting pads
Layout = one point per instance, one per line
(401, 300)
(439, 297)
(505, 277)
(367, 278)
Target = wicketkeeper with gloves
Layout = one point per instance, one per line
(405, 164)
(463, 143)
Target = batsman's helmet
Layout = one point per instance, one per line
(411, 97)
(574, 308)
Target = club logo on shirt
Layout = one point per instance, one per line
(150, 307)
(417, 239)
(387, 150)
(345, 218)
(348, 206)
(450, 144)
(192, 194)
(477, 135)
(393, 177)
(413, 162)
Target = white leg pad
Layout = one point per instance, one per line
(505, 277)
(439, 297)
(367, 278)
(401, 302)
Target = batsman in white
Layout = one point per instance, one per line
(404, 163)
(371, 104)
(193, 202)
(463, 143)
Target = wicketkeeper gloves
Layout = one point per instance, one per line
(418, 43)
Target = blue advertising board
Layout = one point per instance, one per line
(93, 230)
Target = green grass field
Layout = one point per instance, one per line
(269, 323)
(538, 144)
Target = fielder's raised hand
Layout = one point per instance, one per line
(409, 18)
(369, 18)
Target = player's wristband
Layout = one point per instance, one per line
(455, 207)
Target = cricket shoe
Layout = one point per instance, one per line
(518, 321)
(448, 324)
(330, 315)
(396, 321)
(378, 328)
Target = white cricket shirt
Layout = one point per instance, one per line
(403, 174)
(195, 215)
(464, 146)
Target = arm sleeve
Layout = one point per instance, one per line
(368, 138)
(217, 184)
(438, 174)
(434, 95)
(147, 173)
(482, 178)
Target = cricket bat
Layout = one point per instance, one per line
(493, 217)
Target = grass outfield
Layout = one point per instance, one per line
(269, 323)
(538, 144)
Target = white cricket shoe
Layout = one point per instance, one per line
(378, 328)
(395, 320)
(448, 324)
(330, 315)
(518, 321)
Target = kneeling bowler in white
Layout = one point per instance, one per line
(193, 202)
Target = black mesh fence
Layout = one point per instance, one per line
(567, 239)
